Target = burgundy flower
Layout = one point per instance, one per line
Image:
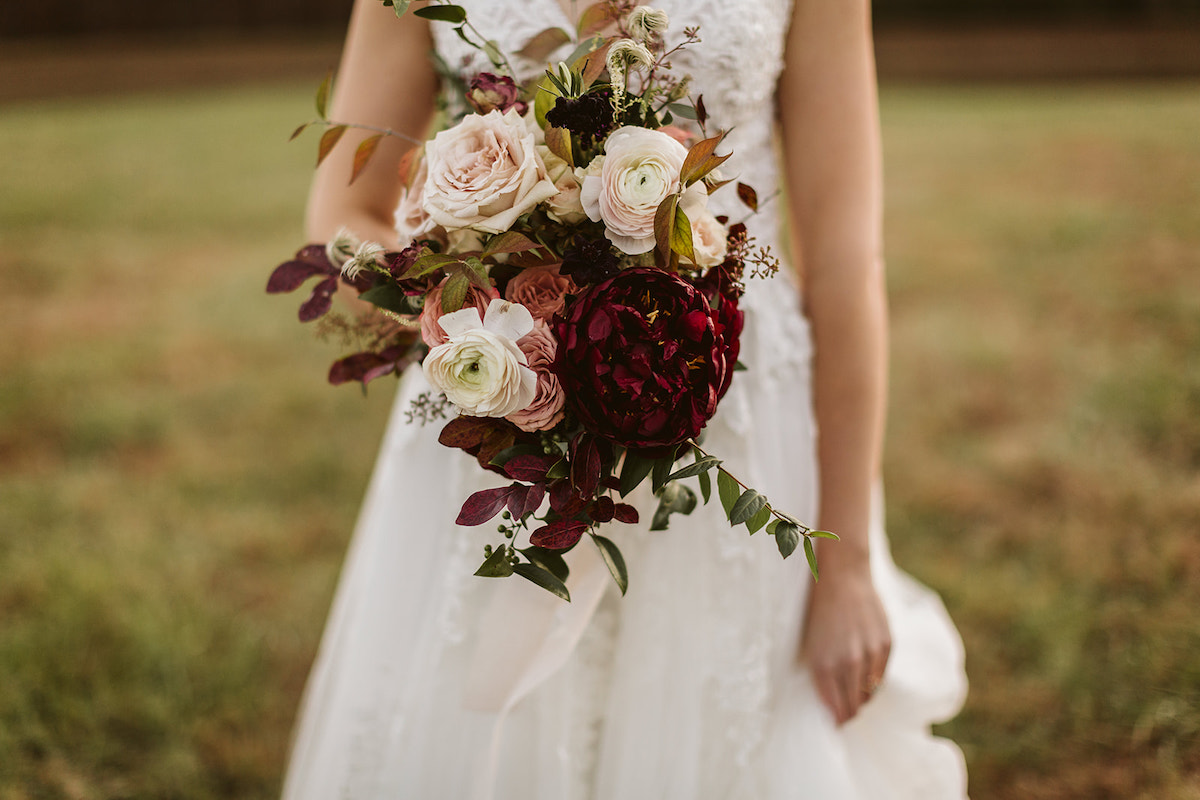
(490, 92)
(643, 358)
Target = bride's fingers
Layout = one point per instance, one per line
(851, 681)
(826, 683)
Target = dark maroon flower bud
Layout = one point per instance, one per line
(490, 92)
(644, 357)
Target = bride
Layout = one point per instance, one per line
(725, 672)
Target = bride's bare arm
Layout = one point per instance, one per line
(386, 80)
(829, 116)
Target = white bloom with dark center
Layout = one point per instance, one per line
(481, 369)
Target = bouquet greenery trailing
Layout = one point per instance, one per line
(572, 300)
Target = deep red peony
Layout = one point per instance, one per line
(644, 358)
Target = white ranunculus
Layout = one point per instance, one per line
(640, 169)
(709, 238)
(484, 173)
(481, 369)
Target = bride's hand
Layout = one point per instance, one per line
(846, 641)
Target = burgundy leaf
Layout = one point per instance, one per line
(485, 504)
(623, 512)
(289, 276)
(565, 500)
(559, 535)
(529, 467)
(526, 500)
(465, 432)
(320, 301)
(356, 368)
(603, 509)
(585, 465)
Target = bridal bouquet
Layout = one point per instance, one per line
(570, 297)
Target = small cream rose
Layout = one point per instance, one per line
(411, 219)
(481, 369)
(484, 173)
(640, 168)
(709, 238)
(645, 22)
(564, 207)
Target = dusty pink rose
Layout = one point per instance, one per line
(546, 410)
(638, 170)
(677, 133)
(709, 238)
(540, 289)
(431, 331)
(411, 219)
(484, 173)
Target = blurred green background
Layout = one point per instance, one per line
(177, 484)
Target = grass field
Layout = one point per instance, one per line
(177, 484)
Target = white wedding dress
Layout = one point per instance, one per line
(433, 684)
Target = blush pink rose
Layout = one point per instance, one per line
(431, 330)
(484, 173)
(411, 220)
(540, 289)
(546, 410)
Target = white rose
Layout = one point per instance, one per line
(564, 207)
(484, 173)
(709, 238)
(481, 369)
(640, 169)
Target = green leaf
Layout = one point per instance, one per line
(497, 564)
(559, 469)
(509, 242)
(811, 555)
(825, 535)
(787, 536)
(728, 489)
(746, 506)
(454, 292)
(698, 467)
(391, 297)
(549, 560)
(683, 110)
(492, 51)
(543, 578)
(453, 14)
(634, 471)
(615, 561)
(660, 472)
(705, 487)
(399, 6)
(429, 263)
(323, 94)
(681, 235)
(675, 499)
(756, 522)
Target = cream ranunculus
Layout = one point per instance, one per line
(484, 173)
(640, 169)
(709, 238)
(481, 369)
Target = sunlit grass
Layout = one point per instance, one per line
(177, 484)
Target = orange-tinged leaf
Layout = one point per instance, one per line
(699, 154)
(510, 242)
(595, 18)
(366, 149)
(559, 142)
(664, 225)
(544, 43)
(328, 139)
(592, 65)
(408, 165)
(748, 196)
(299, 131)
(323, 94)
